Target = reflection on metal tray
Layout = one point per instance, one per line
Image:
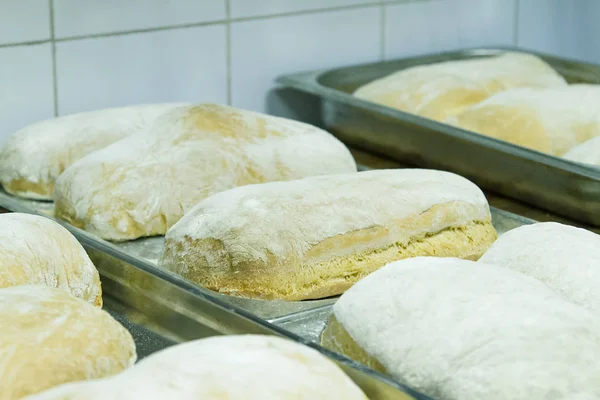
(545, 181)
(161, 309)
(310, 323)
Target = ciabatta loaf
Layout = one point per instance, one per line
(457, 329)
(317, 236)
(32, 158)
(143, 184)
(564, 257)
(440, 90)
(37, 251)
(49, 337)
(249, 367)
(550, 120)
(587, 152)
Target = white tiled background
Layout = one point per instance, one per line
(64, 56)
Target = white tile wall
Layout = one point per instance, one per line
(565, 27)
(26, 93)
(24, 21)
(85, 17)
(439, 25)
(264, 49)
(253, 8)
(187, 64)
(195, 50)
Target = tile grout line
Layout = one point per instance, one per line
(516, 22)
(199, 24)
(53, 47)
(228, 49)
(382, 31)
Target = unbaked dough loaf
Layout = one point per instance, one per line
(550, 120)
(32, 158)
(49, 337)
(587, 152)
(440, 90)
(229, 367)
(457, 329)
(143, 184)
(564, 257)
(317, 236)
(35, 250)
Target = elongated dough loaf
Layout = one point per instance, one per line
(244, 367)
(143, 184)
(564, 257)
(37, 251)
(587, 152)
(49, 337)
(550, 120)
(32, 158)
(456, 329)
(440, 90)
(315, 237)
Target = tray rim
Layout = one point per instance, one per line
(308, 82)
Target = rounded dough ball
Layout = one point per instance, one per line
(35, 250)
(48, 337)
(243, 367)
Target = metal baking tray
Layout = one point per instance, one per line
(161, 310)
(548, 182)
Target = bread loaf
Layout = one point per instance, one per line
(565, 258)
(440, 90)
(37, 251)
(229, 367)
(317, 236)
(143, 184)
(456, 329)
(32, 158)
(49, 337)
(550, 120)
(587, 152)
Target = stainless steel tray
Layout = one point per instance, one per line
(545, 181)
(161, 309)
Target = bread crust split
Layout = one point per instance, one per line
(32, 158)
(143, 184)
(316, 237)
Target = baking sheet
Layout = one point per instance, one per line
(309, 324)
(545, 181)
(161, 310)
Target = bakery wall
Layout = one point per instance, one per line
(64, 56)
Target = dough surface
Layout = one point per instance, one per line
(244, 367)
(437, 91)
(32, 158)
(143, 184)
(550, 120)
(35, 250)
(457, 329)
(49, 337)
(565, 258)
(587, 152)
(315, 237)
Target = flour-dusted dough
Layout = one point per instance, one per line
(587, 152)
(32, 158)
(317, 236)
(457, 329)
(35, 250)
(564, 257)
(245, 367)
(143, 184)
(440, 90)
(550, 120)
(48, 337)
